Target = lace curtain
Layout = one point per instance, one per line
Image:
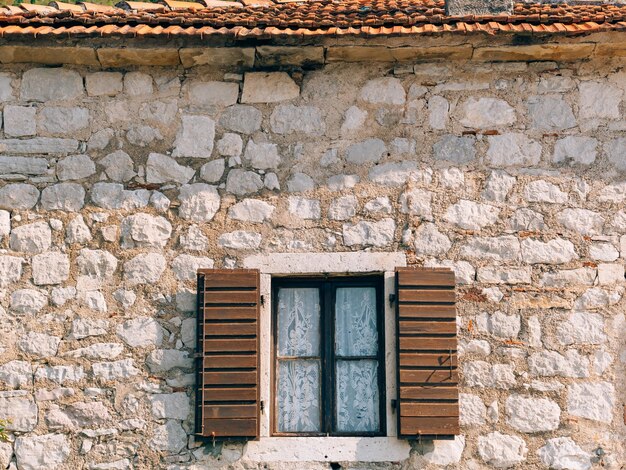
(299, 365)
(299, 379)
(357, 380)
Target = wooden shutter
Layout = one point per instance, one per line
(228, 353)
(428, 397)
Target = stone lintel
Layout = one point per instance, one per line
(556, 52)
(49, 55)
(122, 57)
(242, 57)
(396, 54)
(274, 56)
(615, 49)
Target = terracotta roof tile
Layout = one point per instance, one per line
(271, 18)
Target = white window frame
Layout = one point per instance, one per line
(326, 449)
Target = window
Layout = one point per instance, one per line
(328, 375)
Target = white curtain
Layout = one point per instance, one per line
(355, 323)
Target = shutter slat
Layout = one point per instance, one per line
(419, 343)
(412, 311)
(428, 327)
(228, 347)
(427, 360)
(428, 392)
(230, 313)
(229, 362)
(230, 329)
(230, 427)
(426, 354)
(429, 409)
(429, 426)
(228, 394)
(428, 376)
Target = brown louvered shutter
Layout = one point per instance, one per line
(228, 353)
(428, 394)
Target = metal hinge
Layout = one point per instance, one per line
(392, 299)
(262, 300)
(394, 405)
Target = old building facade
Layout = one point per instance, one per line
(127, 166)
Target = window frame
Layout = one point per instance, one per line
(327, 285)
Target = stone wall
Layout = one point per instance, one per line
(117, 186)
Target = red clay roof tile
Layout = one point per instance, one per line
(270, 18)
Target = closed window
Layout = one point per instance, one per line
(328, 370)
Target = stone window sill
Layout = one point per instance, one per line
(327, 449)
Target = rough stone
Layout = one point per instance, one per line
(552, 363)
(378, 234)
(557, 251)
(499, 324)
(50, 268)
(31, 238)
(268, 87)
(594, 401)
(472, 410)
(16, 374)
(308, 209)
(242, 182)
(170, 405)
(104, 83)
(60, 374)
(503, 248)
(343, 208)
(575, 150)
(63, 121)
(498, 186)
(209, 94)
(18, 196)
(482, 374)
(185, 267)
(143, 136)
(438, 108)
(582, 328)
(582, 221)
(145, 230)
(550, 113)
(386, 90)
(300, 182)
(367, 151)
(114, 196)
(251, 210)
(51, 84)
(87, 327)
(138, 84)
(290, 119)
(195, 138)
(446, 452)
(487, 113)
(241, 118)
(501, 450)
(471, 215)
(161, 360)
(528, 414)
(459, 150)
(262, 156)
(144, 269)
(10, 270)
(230, 145)
(118, 166)
(240, 240)
(562, 453)
(141, 332)
(19, 121)
(98, 264)
(580, 276)
(393, 174)
(429, 241)
(68, 197)
(169, 437)
(46, 451)
(22, 410)
(199, 202)
(417, 202)
(212, 172)
(599, 100)
(513, 149)
(163, 169)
